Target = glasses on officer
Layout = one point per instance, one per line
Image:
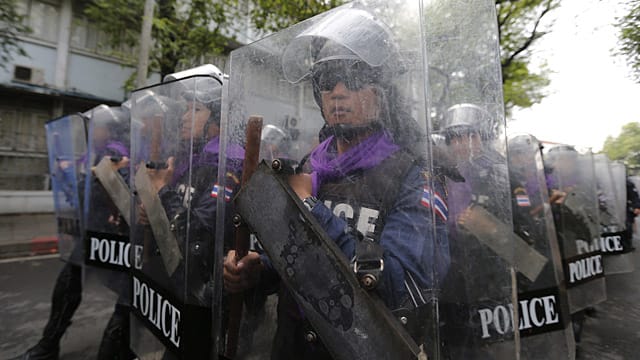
(354, 74)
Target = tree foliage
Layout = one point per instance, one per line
(626, 146)
(11, 26)
(274, 15)
(187, 32)
(519, 25)
(181, 32)
(629, 37)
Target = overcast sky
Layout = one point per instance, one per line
(591, 94)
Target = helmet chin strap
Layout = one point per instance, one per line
(348, 132)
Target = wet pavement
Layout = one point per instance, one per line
(25, 299)
(612, 332)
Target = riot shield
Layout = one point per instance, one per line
(544, 323)
(107, 206)
(174, 170)
(613, 237)
(572, 188)
(631, 199)
(354, 259)
(619, 177)
(479, 293)
(67, 149)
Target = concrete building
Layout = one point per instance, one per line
(67, 70)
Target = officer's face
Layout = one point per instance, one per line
(101, 135)
(194, 119)
(465, 146)
(353, 107)
(521, 162)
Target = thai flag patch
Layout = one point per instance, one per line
(228, 192)
(440, 206)
(523, 200)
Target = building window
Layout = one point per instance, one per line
(86, 36)
(22, 130)
(43, 17)
(23, 149)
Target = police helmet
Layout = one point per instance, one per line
(206, 69)
(463, 119)
(350, 45)
(273, 135)
(560, 155)
(353, 46)
(207, 91)
(126, 106)
(520, 143)
(149, 104)
(112, 117)
(345, 34)
(197, 79)
(563, 148)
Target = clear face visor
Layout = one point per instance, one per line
(206, 91)
(96, 112)
(365, 37)
(354, 74)
(152, 104)
(466, 115)
(273, 135)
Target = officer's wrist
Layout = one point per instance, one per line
(310, 202)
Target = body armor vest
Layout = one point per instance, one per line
(364, 198)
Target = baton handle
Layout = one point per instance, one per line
(242, 240)
(251, 158)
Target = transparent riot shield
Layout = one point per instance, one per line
(174, 170)
(545, 326)
(633, 183)
(616, 257)
(619, 177)
(572, 191)
(351, 219)
(479, 293)
(67, 148)
(107, 207)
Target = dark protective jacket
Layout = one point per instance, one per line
(478, 276)
(372, 203)
(195, 203)
(103, 216)
(531, 227)
(633, 202)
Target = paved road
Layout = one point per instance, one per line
(613, 333)
(25, 293)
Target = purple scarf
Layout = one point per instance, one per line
(112, 148)
(328, 165)
(209, 157)
(116, 147)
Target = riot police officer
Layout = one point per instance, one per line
(540, 277)
(67, 292)
(573, 195)
(189, 184)
(369, 165)
(632, 210)
(480, 271)
(274, 142)
(177, 192)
